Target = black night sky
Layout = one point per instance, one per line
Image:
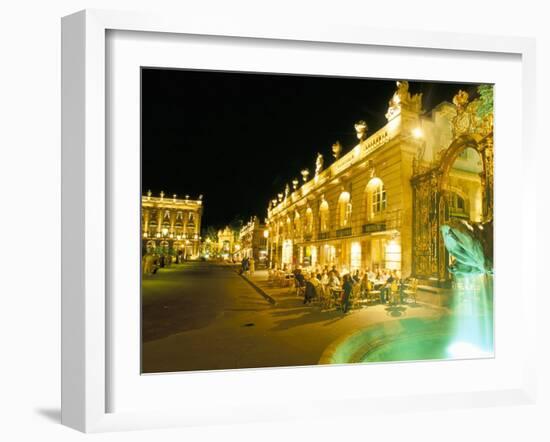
(238, 138)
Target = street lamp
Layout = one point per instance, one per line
(417, 133)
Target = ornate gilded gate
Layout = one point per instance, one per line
(472, 129)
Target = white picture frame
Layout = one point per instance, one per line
(85, 308)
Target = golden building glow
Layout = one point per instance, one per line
(171, 225)
(368, 209)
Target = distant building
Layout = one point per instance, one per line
(253, 241)
(171, 224)
(227, 244)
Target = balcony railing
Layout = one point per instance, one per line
(374, 227)
(323, 235)
(343, 232)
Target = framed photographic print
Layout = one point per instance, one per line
(249, 215)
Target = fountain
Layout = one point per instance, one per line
(467, 332)
(472, 323)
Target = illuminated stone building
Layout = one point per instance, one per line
(228, 246)
(381, 205)
(171, 224)
(253, 241)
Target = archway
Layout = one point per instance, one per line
(459, 185)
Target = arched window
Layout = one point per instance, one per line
(344, 209)
(376, 198)
(324, 217)
(288, 227)
(297, 224)
(309, 221)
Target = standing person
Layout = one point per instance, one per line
(310, 290)
(347, 286)
(385, 291)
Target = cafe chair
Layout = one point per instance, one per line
(394, 293)
(372, 295)
(410, 292)
(356, 300)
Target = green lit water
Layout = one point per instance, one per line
(415, 348)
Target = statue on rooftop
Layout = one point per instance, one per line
(361, 128)
(319, 164)
(402, 99)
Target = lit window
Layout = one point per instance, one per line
(355, 256)
(379, 199)
(309, 220)
(344, 209)
(457, 205)
(377, 196)
(323, 216)
(297, 224)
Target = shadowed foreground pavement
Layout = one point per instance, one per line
(203, 316)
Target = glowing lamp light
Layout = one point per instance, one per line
(417, 133)
(266, 233)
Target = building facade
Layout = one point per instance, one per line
(171, 225)
(253, 241)
(227, 246)
(381, 205)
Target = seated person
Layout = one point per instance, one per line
(310, 292)
(333, 280)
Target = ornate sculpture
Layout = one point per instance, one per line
(318, 164)
(162, 194)
(305, 174)
(402, 99)
(336, 150)
(287, 191)
(474, 116)
(361, 128)
(471, 245)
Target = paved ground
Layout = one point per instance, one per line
(203, 316)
